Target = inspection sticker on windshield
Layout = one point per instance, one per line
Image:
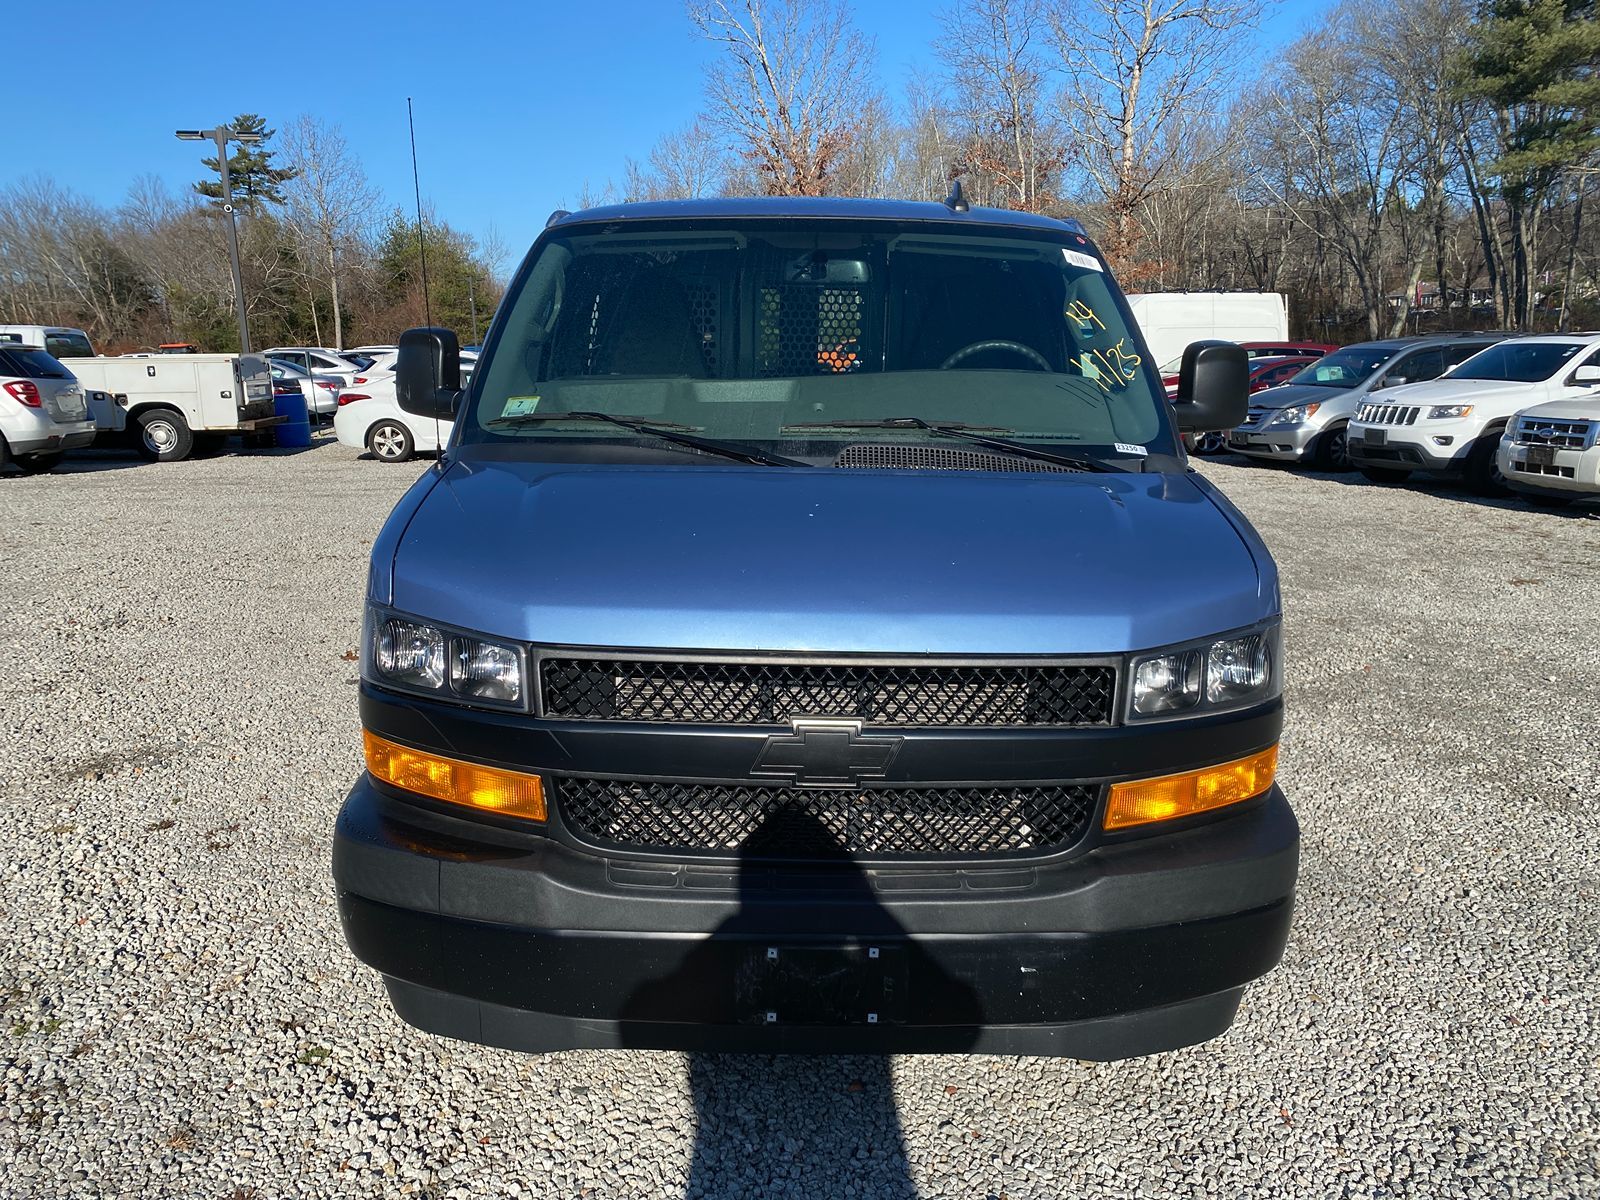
(1079, 259)
(517, 406)
(1125, 448)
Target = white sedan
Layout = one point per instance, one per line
(378, 424)
(370, 418)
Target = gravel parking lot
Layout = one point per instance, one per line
(181, 1016)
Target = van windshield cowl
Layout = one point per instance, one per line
(796, 338)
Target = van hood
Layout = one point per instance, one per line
(856, 561)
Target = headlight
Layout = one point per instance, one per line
(1444, 412)
(420, 656)
(1168, 682)
(1293, 416)
(409, 653)
(1228, 672)
(1238, 668)
(485, 670)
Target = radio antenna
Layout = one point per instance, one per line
(416, 185)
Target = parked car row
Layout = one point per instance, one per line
(1500, 411)
(57, 394)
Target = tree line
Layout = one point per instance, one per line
(323, 262)
(1410, 164)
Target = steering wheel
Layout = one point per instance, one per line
(1027, 352)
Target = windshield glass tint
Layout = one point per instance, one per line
(31, 364)
(747, 330)
(1522, 362)
(1345, 368)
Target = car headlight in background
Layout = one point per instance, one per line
(420, 656)
(1293, 416)
(1446, 412)
(1221, 673)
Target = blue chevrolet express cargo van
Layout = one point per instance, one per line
(813, 639)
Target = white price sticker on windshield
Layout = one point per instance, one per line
(1079, 259)
(517, 406)
(1127, 448)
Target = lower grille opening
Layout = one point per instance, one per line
(782, 822)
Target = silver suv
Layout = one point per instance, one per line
(1304, 420)
(43, 411)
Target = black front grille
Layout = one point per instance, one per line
(780, 822)
(767, 693)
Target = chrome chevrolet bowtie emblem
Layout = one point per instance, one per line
(826, 752)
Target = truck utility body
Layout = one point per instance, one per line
(166, 401)
(813, 639)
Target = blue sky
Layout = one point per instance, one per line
(518, 105)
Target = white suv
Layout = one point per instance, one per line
(1551, 452)
(1453, 425)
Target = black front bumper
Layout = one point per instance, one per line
(1401, 456)
(1126, 949)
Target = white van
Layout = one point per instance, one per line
(1171, 320)
(58, 341)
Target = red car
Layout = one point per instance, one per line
(1255, 351)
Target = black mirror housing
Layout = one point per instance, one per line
(1213, 387)
(427, 372)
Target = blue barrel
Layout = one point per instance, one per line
(295, 429)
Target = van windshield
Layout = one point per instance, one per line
(788, 333)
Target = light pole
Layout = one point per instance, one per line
(222, 135)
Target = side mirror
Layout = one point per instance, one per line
(427, 373)
(1586, 377)
(1213, 387)
(1391, 381)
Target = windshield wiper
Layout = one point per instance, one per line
(893, 423)
(967, 433)
(667, 431)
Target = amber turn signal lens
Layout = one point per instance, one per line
(1141, 801)
(487, 789)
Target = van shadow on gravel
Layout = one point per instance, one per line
(775, 1125)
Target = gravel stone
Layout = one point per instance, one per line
(180, 1016)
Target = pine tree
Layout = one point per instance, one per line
(1535, 63)
(252, 177)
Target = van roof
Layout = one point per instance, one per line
(816, 208)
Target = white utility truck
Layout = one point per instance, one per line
(1171, 320)
(173, 404)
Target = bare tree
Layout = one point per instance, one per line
(1137, 70)
(685, 164)
(929, 147)
(789, 87)
(999, 81)
(330, 201)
